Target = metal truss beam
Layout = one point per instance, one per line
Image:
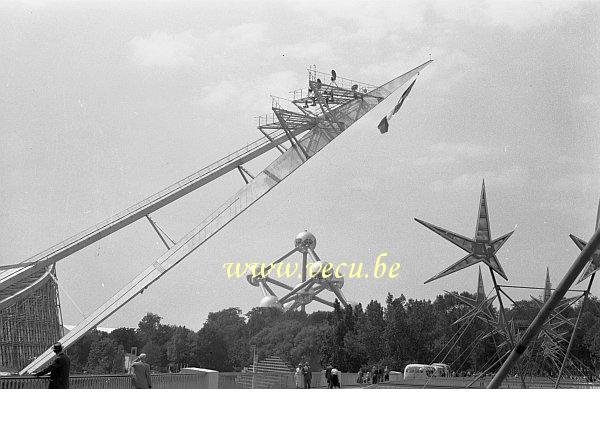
(313, 141)
(89, 236)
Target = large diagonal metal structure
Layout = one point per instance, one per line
(333, 110)
(594, 264)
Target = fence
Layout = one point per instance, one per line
(274, 380)
(159, 381)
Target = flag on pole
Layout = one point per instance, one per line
(384, 124)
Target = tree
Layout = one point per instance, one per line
(212, 350)
(106, 357)
(125, 337)
(181, 348)
(229, 322)
(148, 328)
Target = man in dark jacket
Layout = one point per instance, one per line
(58, 369)
(328, 375)
(307, 375)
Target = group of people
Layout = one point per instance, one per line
(373, 376)
(303, 376)
(332, 375)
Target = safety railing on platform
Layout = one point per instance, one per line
(159, 381)
(275, 380)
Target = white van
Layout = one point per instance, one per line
(416, 370)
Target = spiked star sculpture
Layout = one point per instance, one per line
(551, 337)
(482, 248)
(594, 264)
(481, 306)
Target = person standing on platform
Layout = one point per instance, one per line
(335, 379)
(306, 372)
(59, 369)
(141, 373)
(328, 375)
(298, 376)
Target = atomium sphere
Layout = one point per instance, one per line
(252, 279)
(269, 301)
(304, 240)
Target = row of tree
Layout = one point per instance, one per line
(400, 332)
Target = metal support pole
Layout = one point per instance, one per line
(304, 266)
(564, 363)
(159, 233)
(502, 312)
(493, 365)
(293, 140)
(505, 323)
(560, 291)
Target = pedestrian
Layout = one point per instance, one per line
(58, 369)
(359, 379)
(141, 373)
(375, 374)
(335, 379)
(307, 375)
(328, 375)
(386, 374)
(298, 376)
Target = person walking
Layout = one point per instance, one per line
(59, 369)
(328, 375)
(141, 373)
(307, 375)
(335, 379)
(375, 374)
(298, 376)
(386, 374)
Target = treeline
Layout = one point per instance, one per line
(394, 334)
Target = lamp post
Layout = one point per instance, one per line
(253, 364)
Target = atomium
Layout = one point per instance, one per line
(316, 277)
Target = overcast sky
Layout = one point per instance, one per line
(103, 104)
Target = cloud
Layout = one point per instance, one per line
(252, 97)
(511, 176)
(164, 49)
(517, 15)
(451, 154)
(577, 183)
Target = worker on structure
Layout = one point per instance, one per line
(58, 369)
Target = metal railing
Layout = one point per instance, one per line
(274, 380)
(123, 381)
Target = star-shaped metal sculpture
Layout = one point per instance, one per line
(481, 306)
(482, 248)
(594, 264)
(547, 348)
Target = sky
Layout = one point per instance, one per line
(105, 103)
